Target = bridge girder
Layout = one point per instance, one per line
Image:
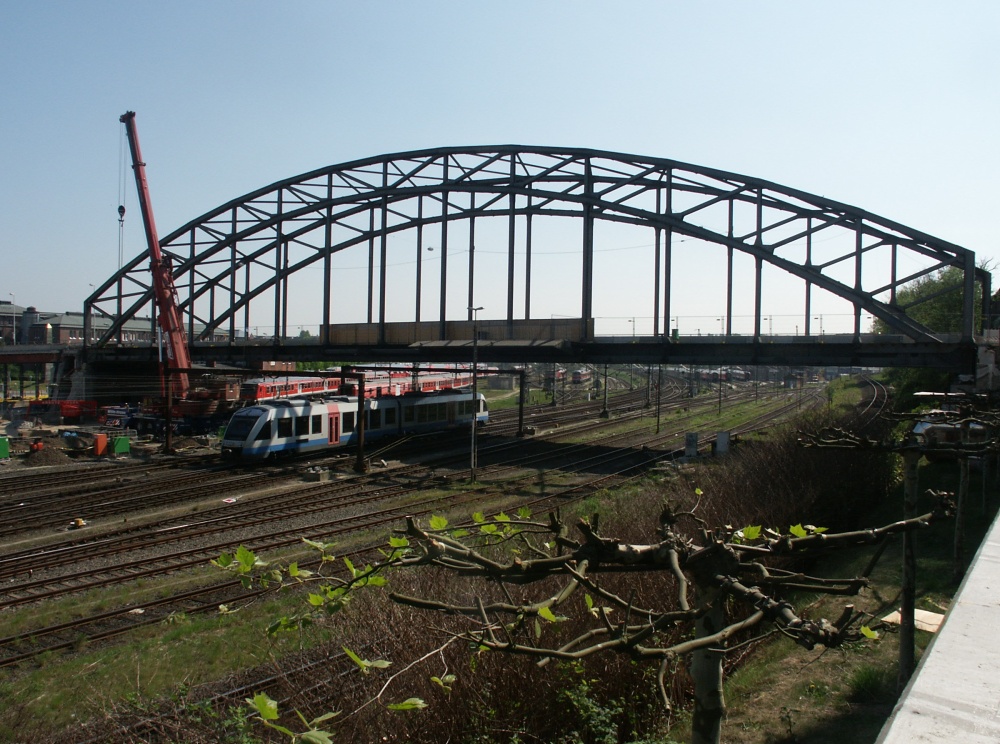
(247, 252)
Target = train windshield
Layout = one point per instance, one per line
(242, 423)
(248, 390)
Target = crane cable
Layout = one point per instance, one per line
(121, 195)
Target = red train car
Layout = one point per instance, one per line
(378, 383)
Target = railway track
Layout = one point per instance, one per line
(347, 508)
(108, 624)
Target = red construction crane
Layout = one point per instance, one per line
(168, 314)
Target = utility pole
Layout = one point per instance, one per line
(659, 387)
(604, 411)
(475, 389)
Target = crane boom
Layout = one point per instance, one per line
(168, 313)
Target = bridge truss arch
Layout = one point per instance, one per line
(238, 263)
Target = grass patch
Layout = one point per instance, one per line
(61, 689)
(22, 620)
(870, 684)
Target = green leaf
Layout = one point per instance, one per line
(350, 567)
(751, 533)
(589, 600)
(459, 534)
(408, 704)
(524, 513)
(362, 664)
(266, 707)
(868, 632)
(446, 683)
(293, 569)
(489, 529)
(798, 530)
(698, 492)
(286, 624)
(501, 517)
(246, 558)
(320, 546)
(398, 542)
(438, 523)
(225, 560)
(325, 717)
(478, 517)
(315, 736)
(546, 614)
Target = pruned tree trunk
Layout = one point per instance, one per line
(706, 672)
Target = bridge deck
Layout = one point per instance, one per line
(561, 341)
(955, 694)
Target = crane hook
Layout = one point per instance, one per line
(121, 212)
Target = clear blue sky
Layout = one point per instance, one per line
(889, 106)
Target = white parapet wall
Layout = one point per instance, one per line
(954, 696)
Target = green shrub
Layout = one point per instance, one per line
(872, 685)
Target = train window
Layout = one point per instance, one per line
(408, 414)
(284, 427)
(375, 419)
(301, 426)
(264, 433)
(440, 411)
(390, 416)
(422, 414)
(348, 421)
(317, 423)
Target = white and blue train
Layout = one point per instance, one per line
(305, 425)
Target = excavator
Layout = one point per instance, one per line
(168, 313)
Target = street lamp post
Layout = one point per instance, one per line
(13, 317)
(475, 390)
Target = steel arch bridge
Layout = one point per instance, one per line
(238, 266)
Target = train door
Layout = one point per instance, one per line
(451, 413)
(334, 435)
